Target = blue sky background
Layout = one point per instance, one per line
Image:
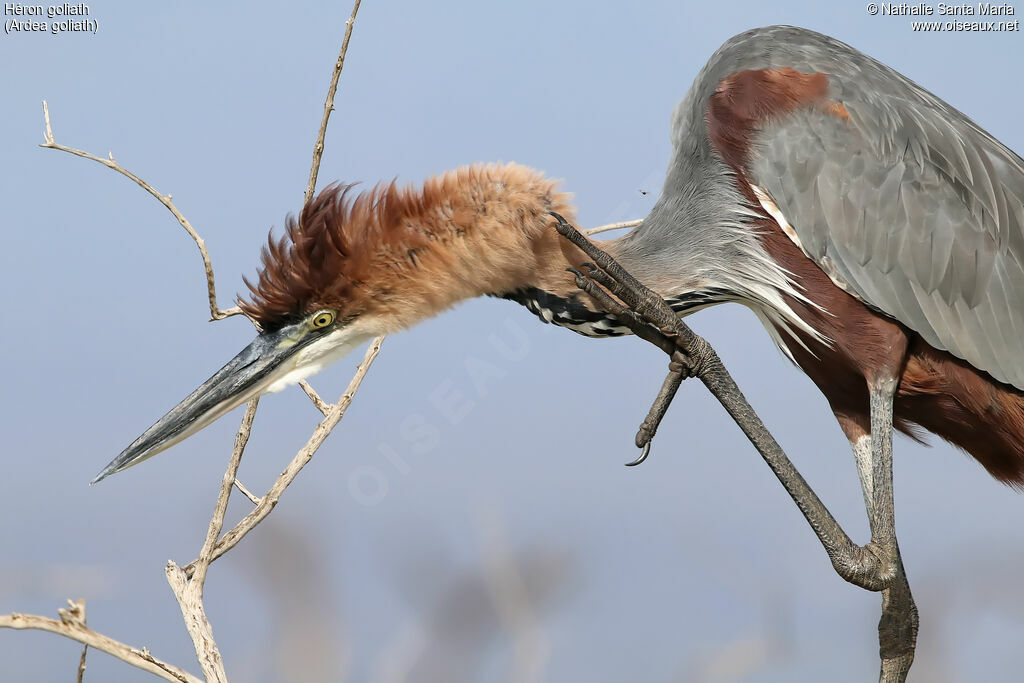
(693, 567)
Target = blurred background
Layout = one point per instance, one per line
(502, 543)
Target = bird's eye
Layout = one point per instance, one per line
(322, 319)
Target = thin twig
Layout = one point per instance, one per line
(221, 508)
(321, 405)
(76, 610)
(216, 313)
(267, 503)
(318, 148)
(246, 492)
(613, 226)
(81, 664)
(70, 627)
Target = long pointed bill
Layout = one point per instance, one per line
(268, 363)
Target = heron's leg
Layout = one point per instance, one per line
(881, 511)
(897, 628)
(651, 318)
(648, 315)
(859, 437)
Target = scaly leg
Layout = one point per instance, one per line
(897, 628)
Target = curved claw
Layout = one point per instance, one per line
(563, 226)
(643, 455)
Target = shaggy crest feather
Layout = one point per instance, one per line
(323, 254)
(407, 253)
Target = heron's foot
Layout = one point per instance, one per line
(683, 364)
(897, 630)
(679, 368)
(874, 567)
(647, 315)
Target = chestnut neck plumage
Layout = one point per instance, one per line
(393, 256)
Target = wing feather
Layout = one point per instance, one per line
(910, 206)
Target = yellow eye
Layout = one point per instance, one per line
(322, 319)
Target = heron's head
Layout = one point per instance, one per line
(351, 268)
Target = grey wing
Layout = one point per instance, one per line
(911, 207)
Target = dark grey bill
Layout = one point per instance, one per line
(245, 375)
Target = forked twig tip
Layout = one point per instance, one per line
(48, 133)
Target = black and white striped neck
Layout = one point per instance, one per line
(573, 314)
(570, 312)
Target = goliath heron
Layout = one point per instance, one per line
(876, 231)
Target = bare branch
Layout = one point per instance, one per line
(187, 584)
(188, 590)
(190, 600)
(318, 148)
(70, 626)
(613, 226)
(269, 501)
(49, 142)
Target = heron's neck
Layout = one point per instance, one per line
(481, 230)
